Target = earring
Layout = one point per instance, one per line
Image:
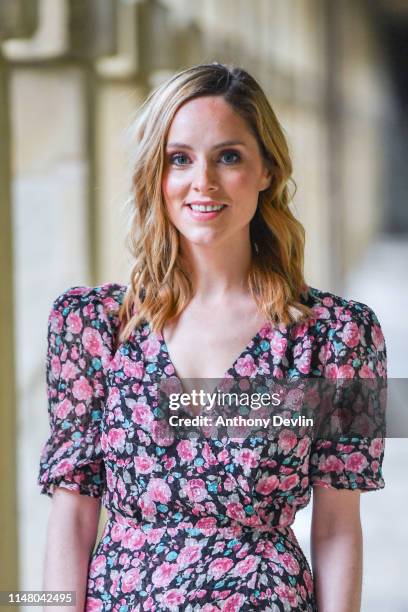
(256, 248)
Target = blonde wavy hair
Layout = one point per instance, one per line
(160, 288)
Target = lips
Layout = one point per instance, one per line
(205, 203)
(205, 215)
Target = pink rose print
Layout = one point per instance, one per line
(378, 338)
(366, 371)
(116, 438)
(69, 370)
(321, 312)
(164, 574)
(331, 371)
(93, 605)
(235, 511)
(346, 371)
(278, 345)
(351, 335)
(173, 598)
(115, 577)
(286, 441)
(188, 555)
(159, 490)
(162, 433)
(144, 464)
(303, 363)
(302, 447)
(287, 594)
(331, 464)
(80, 409)
(92, 341)
(147, 506)
(223, 456)
(208, 525)
(245, 366)
(74, 323)
(110, 479)
(195, 490)
(356, 462)
(82, 390)
(97, 566)
(290, 564)
(209, 456)
(266, 485)
(219, 567)
(289, 482)
(64, 408)
(247, 458)
(55, 365)
(131, 580)
(186, 450)
(56, 322)
(376, 447)
(287, 515)
(141, 414)
(118, 532)
(154, 535)
(133, 369)
(246, 566)
(234, 603)
(308, 581)
(133, 539)
(64, 467)
(325, 352)
(151, 346)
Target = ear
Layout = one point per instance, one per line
(266, 179)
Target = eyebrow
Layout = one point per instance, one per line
(226, 143)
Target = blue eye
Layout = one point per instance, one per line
(234, 154)
(177, 158)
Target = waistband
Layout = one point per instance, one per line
(193, 526)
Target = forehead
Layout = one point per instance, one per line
(208, 114)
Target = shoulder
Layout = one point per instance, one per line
(337, 310)
(81, 307)
(349, 332)
(104, 299)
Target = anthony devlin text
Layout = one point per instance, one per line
(239, 421)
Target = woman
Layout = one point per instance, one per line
(217, 290)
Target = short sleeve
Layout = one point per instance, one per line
(355, 349)
(79, 349)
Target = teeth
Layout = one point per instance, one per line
(202, 208)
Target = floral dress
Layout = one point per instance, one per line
(202, 524)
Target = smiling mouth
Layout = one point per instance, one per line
(206, 209)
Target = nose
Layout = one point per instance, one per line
(204, 178)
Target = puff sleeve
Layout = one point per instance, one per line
(79, 350)
(355, 349)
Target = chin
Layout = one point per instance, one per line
(201, 240)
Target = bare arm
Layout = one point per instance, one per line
(71, 535)
(336, 549)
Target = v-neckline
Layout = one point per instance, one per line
(169, 362)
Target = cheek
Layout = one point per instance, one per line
(173, 186)
(244, 180)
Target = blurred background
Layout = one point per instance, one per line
(72, 75)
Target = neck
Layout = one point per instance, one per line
(218, 271)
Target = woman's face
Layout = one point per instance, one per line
(212, 159)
